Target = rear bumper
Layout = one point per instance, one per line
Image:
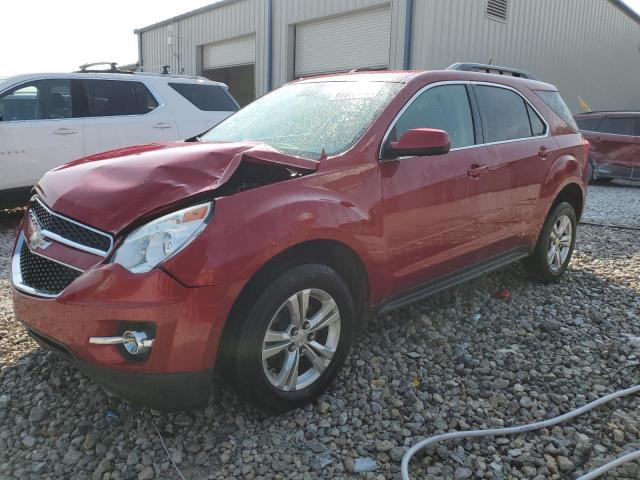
(166, 392)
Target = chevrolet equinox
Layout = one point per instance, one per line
(261, 247)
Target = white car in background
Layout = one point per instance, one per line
(47, 120)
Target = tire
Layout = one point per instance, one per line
(594, 178)
(539, 265)
(269, 383)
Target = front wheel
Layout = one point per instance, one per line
(554, 249)
(294, 339)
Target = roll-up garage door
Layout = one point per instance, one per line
(338, 44)
(229, 53)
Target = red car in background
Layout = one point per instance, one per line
(262, 248)
(615, 144)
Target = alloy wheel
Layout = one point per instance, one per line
(559, 243)
(301, 340)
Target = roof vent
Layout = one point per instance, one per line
(498, 9)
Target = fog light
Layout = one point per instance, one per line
(134, 342)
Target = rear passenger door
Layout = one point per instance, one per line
(615, 145)
(123, 113)
(520, 151)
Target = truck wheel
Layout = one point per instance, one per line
(294, 339)
(555, 245)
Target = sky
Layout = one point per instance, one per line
(58, 36)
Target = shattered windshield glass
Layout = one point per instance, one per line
(305, 118)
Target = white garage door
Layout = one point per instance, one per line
(357, 40)
(230, 53)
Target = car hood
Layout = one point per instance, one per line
(111, 190)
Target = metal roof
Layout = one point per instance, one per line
(221, 3)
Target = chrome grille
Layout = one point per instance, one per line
(39, 275)
(68, 231)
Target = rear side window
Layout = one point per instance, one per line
(619, 125)
(38, 100)
(445, 108)
(554, 101)
(209, 98)
(588, 124)
(108, 98)
(504, 114)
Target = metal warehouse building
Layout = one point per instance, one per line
(588, 48)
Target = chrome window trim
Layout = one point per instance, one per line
(16, 272)
(71, 243)
(464, 82)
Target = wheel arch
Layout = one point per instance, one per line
(332, 253)
(572, 194)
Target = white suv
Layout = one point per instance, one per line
(47, 120)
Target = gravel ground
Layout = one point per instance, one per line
(463, 359)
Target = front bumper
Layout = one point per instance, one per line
(189, 323)
(165, 392)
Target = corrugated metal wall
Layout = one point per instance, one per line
(189, 34)
(588, 48)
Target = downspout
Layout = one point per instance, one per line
(269, 45)
(140, 63)
(408, 34)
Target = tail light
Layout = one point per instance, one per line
(587, 146)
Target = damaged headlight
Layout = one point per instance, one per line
(151, 244)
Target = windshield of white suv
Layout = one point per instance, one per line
(306, 118)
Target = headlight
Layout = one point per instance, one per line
(151, 244)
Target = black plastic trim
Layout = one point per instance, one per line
(448, 281)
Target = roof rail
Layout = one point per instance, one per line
(113, 68)
(495, 69)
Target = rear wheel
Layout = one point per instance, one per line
(554, 249)
(294, 339)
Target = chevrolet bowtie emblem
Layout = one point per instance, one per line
(36, 239)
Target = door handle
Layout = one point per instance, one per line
(65, 131)
(162, 125)
(543, 152)
(476, 170)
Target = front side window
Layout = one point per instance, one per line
(504, 114)
(108, 98)
(209, 98)
(444, 108)
(619, 125)
(39, 100)
(306, 119)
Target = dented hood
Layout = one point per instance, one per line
(111, 190)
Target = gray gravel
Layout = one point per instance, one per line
(461, 360)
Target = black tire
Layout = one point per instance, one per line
(537, 264)
(594, 178)
(244, 361)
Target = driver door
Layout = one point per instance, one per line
(430, 215)
(38, 127)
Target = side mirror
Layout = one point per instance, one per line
(419, 142)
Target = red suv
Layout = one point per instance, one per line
(261, 247)
(615, 144)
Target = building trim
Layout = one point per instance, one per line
(626, 9)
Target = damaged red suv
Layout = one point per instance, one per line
(260, 248)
